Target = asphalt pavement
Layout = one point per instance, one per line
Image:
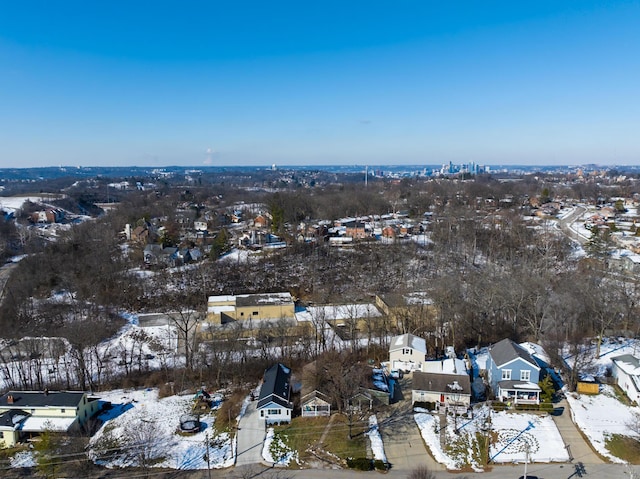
(251, 434)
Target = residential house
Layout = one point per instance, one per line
(25, 412)
(315, 404)
(626, 370)
(513, 373)
(449, 391)
(407, 352)
(274, 402)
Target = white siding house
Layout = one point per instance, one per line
(407, 352)
(626, 370)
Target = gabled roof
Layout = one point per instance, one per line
(275, 386)
(441, 383)
(408, 341)
(35, 399)
(505, 351)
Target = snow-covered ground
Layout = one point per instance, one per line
(542, 439)
(377, 447)
(610, 348)
(141, 428)
(276, 451)
(598, 417)
(510, 443)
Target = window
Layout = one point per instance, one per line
(506, 374)
(525, 375)
(255, 313)
(1, 434)
(241, 314)
(62, 411)
(406, 351)
(273, 412)
(262, 413)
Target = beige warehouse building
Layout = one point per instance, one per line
(254, 307)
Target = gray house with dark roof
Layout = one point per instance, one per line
(274, 402)
(513, 373)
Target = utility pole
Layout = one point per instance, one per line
(206, 438)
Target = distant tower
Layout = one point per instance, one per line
(366, 176)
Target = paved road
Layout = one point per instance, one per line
(579, 449)
(566, 222)
(544, 471)
(251, 434)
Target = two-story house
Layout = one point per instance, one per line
(513, 373)
(26, 412)
(407, 352)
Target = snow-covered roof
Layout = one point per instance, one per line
(628, 363)
(445, 366)
(408, 341)
(40, 423)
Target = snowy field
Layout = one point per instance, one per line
(141, 428)
(598, 417)
(509, 445)
(610, 348)
(13, 203)
(155, 346)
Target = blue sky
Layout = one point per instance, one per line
(378, 82)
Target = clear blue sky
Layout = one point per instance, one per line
(319, 82)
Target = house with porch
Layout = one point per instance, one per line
(407, 352)
(513, 374)
(274, 402)
(314, 404)
(23, 413)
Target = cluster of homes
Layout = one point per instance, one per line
(512, 373)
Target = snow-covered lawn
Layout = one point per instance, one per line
(543, 439)
(598, 417)
(463, 448)
(141, 429)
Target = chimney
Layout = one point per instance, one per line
(9, 399)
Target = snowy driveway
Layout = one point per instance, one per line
(251, 434)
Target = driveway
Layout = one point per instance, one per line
(251, 434)
(578, 447)
(403, 444)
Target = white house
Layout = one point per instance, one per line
(407, 352)
(274, 401)
(626, 370)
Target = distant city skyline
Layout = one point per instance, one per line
(296, 83)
